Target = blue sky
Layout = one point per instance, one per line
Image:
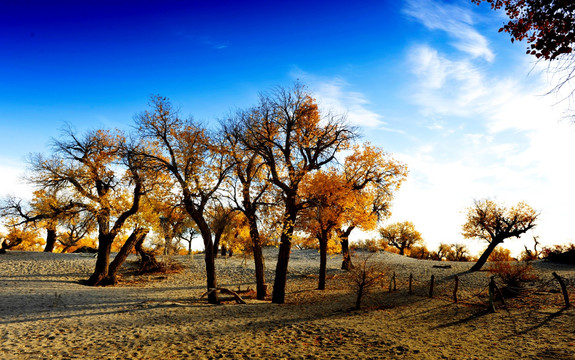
(431, 81)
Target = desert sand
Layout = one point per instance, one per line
(46, 314)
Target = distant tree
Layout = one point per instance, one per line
(500, 254)
(47, 210)
(460, 252)
(401, 235)
(444, 252)
(20, 237)
(419, 252)
(494, 223)
(219, 216)
(293, 138)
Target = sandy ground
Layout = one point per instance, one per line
(46, 314)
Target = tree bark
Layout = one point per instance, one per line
(483, 258)
(346, 264)
(208, 258)
(102, 260)
(148, 262)
(278, 295)
(138, 235)
(51, 237)
(223, 250)
(322, 261)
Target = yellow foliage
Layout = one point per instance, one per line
(27, 239)
(500, 254)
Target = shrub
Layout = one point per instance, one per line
(419, 252)
(365, 275)
(564, 254)
(513, 275)
(369, 245)
(500, 254)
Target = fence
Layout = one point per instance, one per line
(452, 288)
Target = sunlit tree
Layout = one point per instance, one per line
(293, 138)
(488, 221)
(401, 235)
(184, 150)
(102, 175)
(250, 188)
(372, 174)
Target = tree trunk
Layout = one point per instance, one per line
(483, 258)
(224, 251)
(50, 240)
(261, 287)
(278, 295)
(401, 250)
(148, 262)
(217, 237)
(209, 259)
(322, 261)
(138, 235)
(344, 237)
(102, 261)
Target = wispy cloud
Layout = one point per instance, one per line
(444, 86)
(456, 21)
(506, 142)
(334, 94)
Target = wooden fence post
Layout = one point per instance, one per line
(455, 289)
(410, 282)
(431, 286)
(563, 289)
(492, 286)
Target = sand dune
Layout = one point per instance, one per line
(46, 314)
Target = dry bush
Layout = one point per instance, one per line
(564, 254)
(365, 275)
(419, 252)
(513, 275)
(500, 254)
(370, 245)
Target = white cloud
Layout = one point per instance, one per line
(456, 21)
(444, 86)
(507, 142)
(11, 182)
(333, 94)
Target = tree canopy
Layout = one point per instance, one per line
(486, 220)
(548, 26)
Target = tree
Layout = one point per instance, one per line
(329, 197)
(183, 149)
(103, 176)
(401, 235)
(547, 26)
(494, 223)
(250, 189)
(372, 173)
(48, 209)
(293, 138)
(219, 216)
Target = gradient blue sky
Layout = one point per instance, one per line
(431, 81)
